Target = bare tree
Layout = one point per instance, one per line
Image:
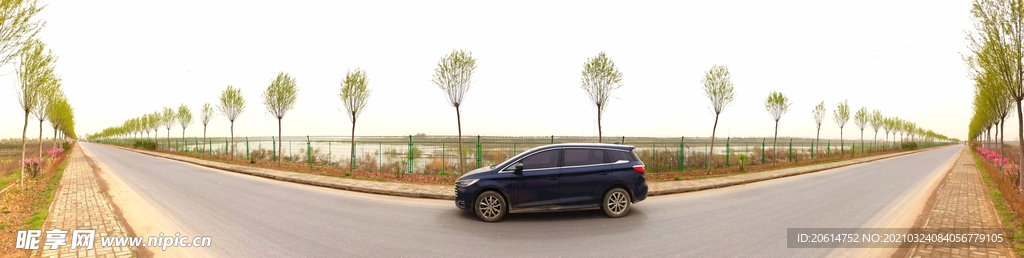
(861, 118)
(18, 26)
(819, 115)
(155, 119)
(841, 115)
(34, 70)
(45, 97)
(279, 98)
(184, 119)
(58, 112)
(355, 94)
(168, 119)
(454, 75)
(719, 89)
(600, 78)
(231, 106)
(776, 104)
(876, 123)
(205, 114)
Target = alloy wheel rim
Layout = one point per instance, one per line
(490, 207)
(617, 202)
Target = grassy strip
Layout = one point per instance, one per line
(9, 178)
(41, 206)
(1010, 219)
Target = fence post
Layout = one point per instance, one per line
(853, 150)
(790, 149)
(309, 153)
(762, 150)
(623, 141)
(828, 150)
(273, 144)
(552, 139)
(479, 152)
(247, 148)
(210, 148)
(728, 152)
(330, 153)
(176, 146)
(410, 155)
(813, 143)
(444, 158)
(682, 152)
(380, 157)
(226, 146)
(197, 145)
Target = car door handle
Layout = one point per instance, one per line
(553, 178)
(603, 173)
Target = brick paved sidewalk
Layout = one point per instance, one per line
(79, 204)
(962, 202)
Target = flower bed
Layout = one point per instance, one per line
(1007, 167)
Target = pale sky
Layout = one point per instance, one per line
(121, 59)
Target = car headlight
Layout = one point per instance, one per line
(465, 182)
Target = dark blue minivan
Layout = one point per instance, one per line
(557, 177)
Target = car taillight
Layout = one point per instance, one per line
(639, 168)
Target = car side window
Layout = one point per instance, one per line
(581, 157)
(614, 156)
(544, 159)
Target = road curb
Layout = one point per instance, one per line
(448, 193)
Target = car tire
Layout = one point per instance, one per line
(616, 203)
(490, 206)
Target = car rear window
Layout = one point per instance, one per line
(614, 155)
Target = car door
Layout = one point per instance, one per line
(583, 177)
(537, 186)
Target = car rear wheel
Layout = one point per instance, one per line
(616, 203)
(490, 206)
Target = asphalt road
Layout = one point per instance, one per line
(255, 217)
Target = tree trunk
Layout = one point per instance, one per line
(1020, 140)
(712, 149)
(1002, 134)
(775, 148)
(817, 138)
(40, 140)
(886, 142)
(462, 158)
(853, 151)
(183, 143)
(54, 138)
(842, 148)
(232, 147)
(599, 134)
(279, 137)
(352, 153)
(874, 142)
(25, 132)
(204, 135)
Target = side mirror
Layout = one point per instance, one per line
(519, 168)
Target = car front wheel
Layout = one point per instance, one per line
(616, 203)
(490, 206)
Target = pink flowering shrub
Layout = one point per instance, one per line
(33, 165)
(55, 152)
(1001, 162)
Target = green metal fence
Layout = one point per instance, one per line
(440, 154)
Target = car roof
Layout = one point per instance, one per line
(589, 145)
